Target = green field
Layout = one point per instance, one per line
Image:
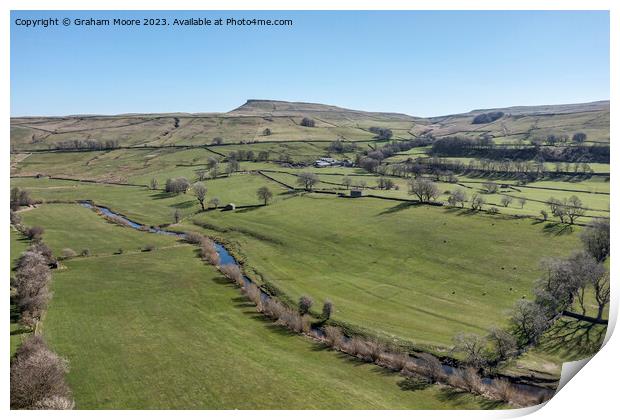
(391, 267)
(178, 335)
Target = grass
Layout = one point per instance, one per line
(147, 206)
(420, 273)
(92, 232)
(162, 330)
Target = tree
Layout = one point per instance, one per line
(529, 321)
(474, 348)
(266, 132)
(19, 198)
(544, 214)
(506, 200)
(264, 194)
(307, 180)
(177, 185)
(504, 343)
(385, 183)
(308, 122)
(37, 377)
(424, 189)
(477, 201)
(35, 233)
(263, 155)
(154, 184)
(601, 293)
(305, 303)
(200, 191)
(328, 308)
(595, 239)
(347, 181)
(457, 196)
(574, 209)
(522, 202)
(176, 216)
(579, 137)
(490, 187)
(232, 166)
(217, 140)
(215, 202)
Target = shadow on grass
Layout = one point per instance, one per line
(184, 204)
(573, 338)
(414, 383)
(163, 195)
(557, 229)
(396, 208)
(457, 396)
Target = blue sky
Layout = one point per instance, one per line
(419, 63)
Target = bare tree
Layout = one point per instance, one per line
(154, 184)
(35, 233)
(574, 209)
(177, 216)
(200, 191)
(424, 189)
(506, 200)
(307, 180)
(477, 201)
(266, 132)
(595, 239)
(347, 181)
(601, 293)
(215, 202)
(473, 347)
(529, 321)
(490, 187)
(217, 140)
(458, 196)
(522, 202)
(37, 377)
(264, 194)
(504, 343)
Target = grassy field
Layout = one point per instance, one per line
(395, 269)
(162, 330)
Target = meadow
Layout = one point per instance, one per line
(145, 323)
(179, 335)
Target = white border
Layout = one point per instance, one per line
(592, 394)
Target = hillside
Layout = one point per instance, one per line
(267, 120)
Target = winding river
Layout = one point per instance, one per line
(226, 258)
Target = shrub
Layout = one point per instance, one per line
(503, 390)
(328, 308)
(395, 361)
(253, 293)
(472, 381)
(431, 367)
(16, 219)
(193, 238)
(38, 377)
(493, 210)
(333, 336)
(356, 346)
(273, 309)
(233, 272)
(308, 122)
(85, 252)
(305, 303)
(68, 253)
(35, 233)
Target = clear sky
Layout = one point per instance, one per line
(419, 63)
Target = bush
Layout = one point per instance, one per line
(493, 210)
(233, 272)
(35, 233)
(328, 308)
(85, 252)
(308, 122)
(333, 336)
(503, 390)
(68, 253)
(395, 361)
(305, 303)
(38, 377)
(431, 367)
(193, 238)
